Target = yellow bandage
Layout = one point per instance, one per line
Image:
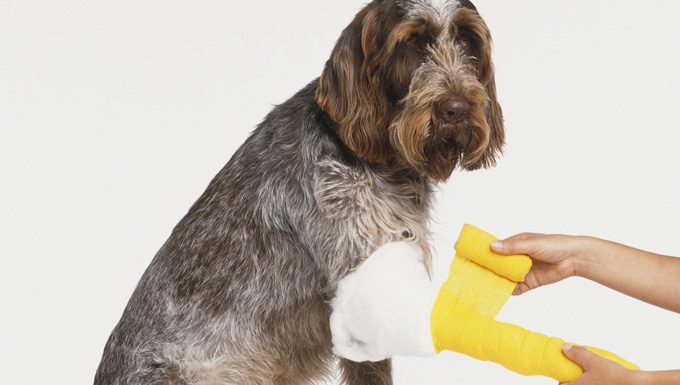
(475, 245)
(462, 318)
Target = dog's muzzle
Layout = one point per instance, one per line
(453, 110)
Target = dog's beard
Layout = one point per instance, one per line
(452, 145)
(436, 147)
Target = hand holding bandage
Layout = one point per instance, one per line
(374, 319)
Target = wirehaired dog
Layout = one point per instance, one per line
(239, 293)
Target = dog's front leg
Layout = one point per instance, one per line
(366, 373)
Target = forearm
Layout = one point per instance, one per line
(647, 276)
(660, 378)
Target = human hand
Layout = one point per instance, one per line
(383, 308)
(600, 371)
(555, 257)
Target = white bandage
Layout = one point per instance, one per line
(383, 308)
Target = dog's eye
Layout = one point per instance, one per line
(464, 42)
(414, 40)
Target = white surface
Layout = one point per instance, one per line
(114, 116)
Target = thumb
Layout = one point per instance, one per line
(518, 244)
(581, 356)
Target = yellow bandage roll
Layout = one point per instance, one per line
(462, 318)
(475, 244)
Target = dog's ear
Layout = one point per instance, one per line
(349, 89)
(493, 111)
(494, 117)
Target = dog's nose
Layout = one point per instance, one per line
(453, 109)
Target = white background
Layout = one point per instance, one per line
(114, 116)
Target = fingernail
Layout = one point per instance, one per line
(497, 245)
(567, 347)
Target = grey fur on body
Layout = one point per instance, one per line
(239, 292)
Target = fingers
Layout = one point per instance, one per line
(582, 356)
(541, 274)
(518, 244)
(521, 288)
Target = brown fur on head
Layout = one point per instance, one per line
(389, 70)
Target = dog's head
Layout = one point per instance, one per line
(411, 81)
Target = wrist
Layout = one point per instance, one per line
(640, 377)
(584, 257)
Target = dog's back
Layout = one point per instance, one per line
(235, 292)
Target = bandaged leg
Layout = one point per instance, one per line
(389, 307)
(462, 318)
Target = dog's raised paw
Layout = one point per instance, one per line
(382, 309)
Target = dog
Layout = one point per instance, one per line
(239, 293)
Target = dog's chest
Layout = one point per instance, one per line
(367, 207)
